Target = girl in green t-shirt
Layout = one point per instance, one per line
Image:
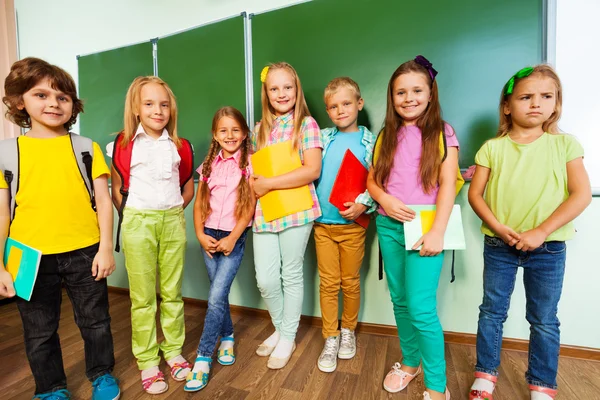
(529, 185)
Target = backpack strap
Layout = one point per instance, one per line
(83, 148)
(121, 162)
(186, 165)
(9, 164)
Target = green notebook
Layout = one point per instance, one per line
(454, 238)
(23, 263)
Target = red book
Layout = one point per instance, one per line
(351, 180)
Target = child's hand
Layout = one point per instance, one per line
(354, 210)
(103, 264)
(209, 244)
(509, 236)
(226, 245)
(396, 209)
(433, 244)
(531, 240)
(7, 289)
(261, 185)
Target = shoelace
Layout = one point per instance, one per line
(330, 345)
(396, 369)
(347, 338)
(58, 395)
(104, 381)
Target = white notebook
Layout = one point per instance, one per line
(454, 238)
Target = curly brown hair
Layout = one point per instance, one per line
(24, 75)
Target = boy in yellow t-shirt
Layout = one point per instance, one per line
(54, 214)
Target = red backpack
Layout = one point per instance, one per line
(121, 161)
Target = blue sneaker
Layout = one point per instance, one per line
(62, 394)
(106, 387)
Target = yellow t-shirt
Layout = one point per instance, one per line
(54, 213)
(528, 182)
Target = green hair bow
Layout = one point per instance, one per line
(510, 85)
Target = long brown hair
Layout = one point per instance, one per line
(551, 124)
(244, 201)
(132, 109)
(430, 123)
(24, 75)
(268, 113)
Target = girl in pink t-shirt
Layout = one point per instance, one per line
(410, 169)
(223, 212)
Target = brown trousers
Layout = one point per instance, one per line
(340, 252)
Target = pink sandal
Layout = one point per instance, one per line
(482, 394)
(177, 368)
(148, 382)
(550, 392)
(397, 379)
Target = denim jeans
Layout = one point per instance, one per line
(41, 316)
(543, 273)
(221, 272)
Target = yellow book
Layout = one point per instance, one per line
(275, 160)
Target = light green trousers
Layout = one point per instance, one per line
(278, 260)
(155, 240)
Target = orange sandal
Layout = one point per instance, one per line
(482, 394)
(550, 392)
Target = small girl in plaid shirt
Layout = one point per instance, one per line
(279, 245)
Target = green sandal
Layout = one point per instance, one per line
(226, 356)
(196, 381)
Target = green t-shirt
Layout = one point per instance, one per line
(528, 182)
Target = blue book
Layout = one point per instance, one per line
(23, 263)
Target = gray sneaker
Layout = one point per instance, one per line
(347, 344)
(328, 358)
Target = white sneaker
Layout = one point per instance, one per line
(328, 358)
(347, 345)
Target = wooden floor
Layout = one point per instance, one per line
(249, 378)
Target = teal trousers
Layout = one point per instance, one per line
(413, 282)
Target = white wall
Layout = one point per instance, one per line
(63, 29)
(577, 61)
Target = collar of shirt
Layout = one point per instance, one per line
(236, 156)
(368, 140)
(285, 118)
(140, 130)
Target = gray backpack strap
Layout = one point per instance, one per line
(9, 164)
(83, 148)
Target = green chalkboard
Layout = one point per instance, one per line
(205, 68)
(475, 45)
(103, 82)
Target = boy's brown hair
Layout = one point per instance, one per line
(24, 75)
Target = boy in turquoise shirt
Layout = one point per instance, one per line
(340, 243)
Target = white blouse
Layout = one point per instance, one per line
(154, 181)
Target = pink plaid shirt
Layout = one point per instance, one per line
(283, 128)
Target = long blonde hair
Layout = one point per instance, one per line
(132, 109)
(551, 124)
(268, 113)
(244, 202)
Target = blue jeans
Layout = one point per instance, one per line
(41, 317)
(221, 272)
(543, 273)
